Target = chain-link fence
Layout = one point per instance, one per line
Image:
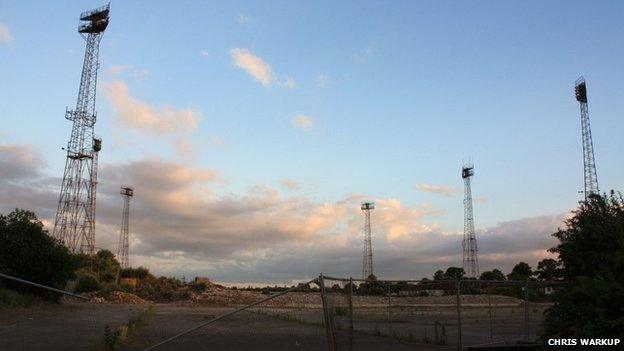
(435, 314)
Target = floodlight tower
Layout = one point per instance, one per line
(589, 164)
(367, 267)
(122, 250)
(74, 224)
(469, 244)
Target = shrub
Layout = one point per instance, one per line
(87, 282)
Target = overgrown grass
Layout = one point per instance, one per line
(113, 338)
(14, 299)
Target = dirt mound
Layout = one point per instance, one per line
(125, 298)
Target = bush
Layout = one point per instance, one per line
(138, 273)
(87, 282)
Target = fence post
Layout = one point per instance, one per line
(526, 311)
(350, 313)
(490, 310)
(326, 317)
(389, 310)
(459, 329)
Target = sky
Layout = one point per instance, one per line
(252, 131)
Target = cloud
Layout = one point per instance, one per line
(5, 34)
(259, 69)
(245, 19)
(480, 199)
(19, 162)
(442, 190)
(23, 183)
(302, 122)
(204, 53)
(138, 74)
(289, 83)
(146, 118)
(322, 81)
(254, 65)
(290, 184)
(117, 69)
(182, 222)
(363, 54)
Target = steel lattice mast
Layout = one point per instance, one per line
(367, 266)
(74, 224)
(122, 250)
(589, 163)
(469, 243)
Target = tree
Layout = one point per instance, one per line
(454, 273)
(104, 265)
(521, 271)
(438, 275)
(28, 252)
(548, 270)
(591, 251)
(495, 274)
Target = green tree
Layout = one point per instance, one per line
(548, 270)
(104, 265)
(591, 250)
(453, 273)
(495, 274)
(439, 275)
(521, 271)
(28, 252)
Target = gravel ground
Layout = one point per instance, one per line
(246, 331)
(72, 326)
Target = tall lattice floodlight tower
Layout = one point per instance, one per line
(74, 223)
(122, 250)
(589, 164)
(367, 267)
(469, 243)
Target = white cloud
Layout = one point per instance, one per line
(245, 19)
(289, 83)
(146, 118)
(362, 55)
(204, 53)
(443, 190)
(254, 65)
(290, 184)
(117, 69)
(302, 122)
(138, 74)
(259, 69)
(5, 34)
(322, 81)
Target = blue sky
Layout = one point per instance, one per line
(395, 94)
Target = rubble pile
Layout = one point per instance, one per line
(216, 294)
(126, 298)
